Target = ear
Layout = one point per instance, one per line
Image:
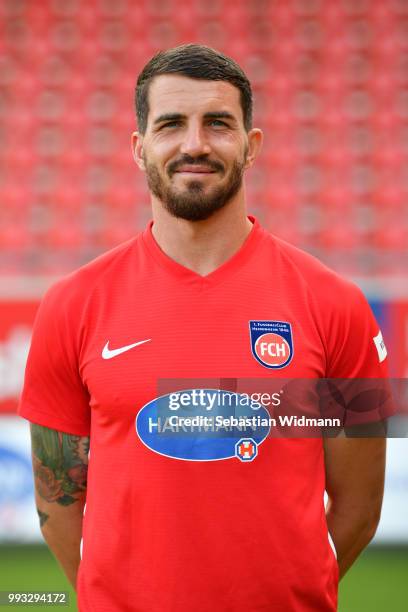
(255, 139)
(137, 149)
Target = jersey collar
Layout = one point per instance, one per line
(228, 268)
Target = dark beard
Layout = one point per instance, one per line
(194, 204)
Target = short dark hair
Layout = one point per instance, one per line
(196, 62)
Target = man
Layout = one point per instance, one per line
(204, 292)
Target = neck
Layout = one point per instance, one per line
(201, 246)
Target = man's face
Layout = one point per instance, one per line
(194, 150)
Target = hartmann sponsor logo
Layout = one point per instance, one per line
(202, 424)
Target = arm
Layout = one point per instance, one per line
(355, 470)
(60, 465)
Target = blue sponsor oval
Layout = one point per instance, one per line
(202, 440)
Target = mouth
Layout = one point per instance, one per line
(194, 170)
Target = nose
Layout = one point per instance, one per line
(194, 141)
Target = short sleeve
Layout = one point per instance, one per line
(356, 348)
(53, 394)
(357, 359)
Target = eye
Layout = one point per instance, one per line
(218, 122)
(174, 123)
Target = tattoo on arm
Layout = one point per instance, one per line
(60, 464)
(43, 517)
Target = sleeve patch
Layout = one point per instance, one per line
(380, 346)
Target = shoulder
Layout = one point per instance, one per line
(77, 287)
(325, 284)
(339, 309)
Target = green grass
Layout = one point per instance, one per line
(28, 568)
(378, 582)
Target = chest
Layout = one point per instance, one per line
(135, 339)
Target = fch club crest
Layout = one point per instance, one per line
(271, 343)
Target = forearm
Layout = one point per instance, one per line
(351, 532)
(62, 530)
(355, 470)
(60, 464)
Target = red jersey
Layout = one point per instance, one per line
(191, 524)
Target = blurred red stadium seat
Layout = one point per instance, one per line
(331, 91)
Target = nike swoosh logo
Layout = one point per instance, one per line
(107, 353)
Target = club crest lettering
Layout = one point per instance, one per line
(271, 343)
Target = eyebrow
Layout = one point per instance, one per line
(168, 117)
(212, 115)
(220, 115)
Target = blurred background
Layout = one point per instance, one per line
(330, 81)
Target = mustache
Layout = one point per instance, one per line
(195, 161)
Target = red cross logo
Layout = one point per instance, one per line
(246, 449)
